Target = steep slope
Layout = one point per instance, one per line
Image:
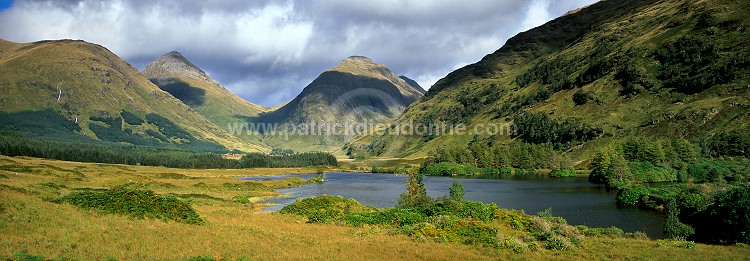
(613, 70)
(173, 73)
(92, 93)
(413, 84)
(355, 94)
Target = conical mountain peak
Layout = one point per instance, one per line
(366, 67)
(174, 74)
(360, 65)
(173, 63)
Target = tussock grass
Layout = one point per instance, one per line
(30, 224)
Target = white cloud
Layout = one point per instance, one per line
(537, 14)
(267, 51)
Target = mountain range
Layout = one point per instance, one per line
(77, 90)
(610, 71)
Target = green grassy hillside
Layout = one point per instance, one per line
(355, 92)
(612, 71)
(173, 73)
(94, 94)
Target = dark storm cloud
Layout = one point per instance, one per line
(267, 51)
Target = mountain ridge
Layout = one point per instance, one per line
(91, 87)
(615, 65)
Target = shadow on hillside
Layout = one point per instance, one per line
(192, 96)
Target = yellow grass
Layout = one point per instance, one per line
(29, 224)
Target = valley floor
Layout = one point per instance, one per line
(30, 223)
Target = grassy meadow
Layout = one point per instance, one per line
(235, 226)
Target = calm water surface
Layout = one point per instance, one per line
(575, 199)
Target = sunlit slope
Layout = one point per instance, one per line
(88, 85)
(175, 74)
(634, 68)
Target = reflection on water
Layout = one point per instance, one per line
(575, 199)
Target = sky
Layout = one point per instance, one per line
(267, 51)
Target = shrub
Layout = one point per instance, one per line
(244, 199)
(730, 144)
(598, 232)
(673, 228)
(731, 214)
(631, 195)
(558, 243)
(135, 203)
(472, 232)
(516, 245)
(323, 208)
(676, 243)
(397, 216)
(564, 172)
(581, 97)
(478, 211)
(456, 191)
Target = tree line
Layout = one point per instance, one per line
(16, 145)
(711, 202)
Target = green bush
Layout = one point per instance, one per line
(135, 203)
(581, 97)
(447, 169)
(564, 172)
(456, 192)
(323, 208)
(558, 243)
(472, 232)
(673, 227)
(244, 199)
(397, 216)
(631, 195)
(730, 215)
